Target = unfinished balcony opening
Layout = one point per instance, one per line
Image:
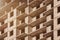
(49, 35)
(35, 3)
(23, 31)
(23, 1)
(36, 37)
(23, 39)
(11, 33)
(38, 16)
(21, 9)
(11, 14)
(19, 12)
(3, 19)
(58, 9)
(38, 6)
(58, 21)
(52, 4)
(58, 0)
(30, 1)
(8, 1)
(11, 23)
(21, 21)
(49, 38)
(38, 26)
(2, 22)
(2, 31)
(20, 31)
(3, 36)
(52, 16)
(52, 26)
(58, 32)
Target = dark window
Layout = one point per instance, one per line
(37, 26)
(58, 33)
(2, 23)
(37, 16)
(22, 38)
(38, 6)
(59, 9)
(58, 0)
(11, 23)
(58, 20)
(43, 3)
(37, 37)
(52, 38)
(11, 33)
(2, 31)
(23, 30)
(23, 21)
(11, 14)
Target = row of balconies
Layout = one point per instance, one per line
(15, 3)
(23, 25)
(24, 15)
(21, 17)
(31, 24)
(22, 6)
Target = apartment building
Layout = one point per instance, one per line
(29, 19)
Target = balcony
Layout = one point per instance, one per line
(48, 34)
(21, 35)
(35, 3)
(22, 7)
(42, 39)
(21, 26)
(23, 1)
(42, 9)
(2, 18)
(48, 23)
(38, 31)
(37, 12)
(38, 21)
(3, 35)
(7, 8)
(49, 12)
(3, 27)
(6, 1)
(21, 17)
(47, 2)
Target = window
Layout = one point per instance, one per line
(38, 6)
(23, 30)
(59, 9)
(23, 21)
(37, 37)
(58, 33)
(11, 14)
(37, 26)
(37, 16)
(11, 33)
(2, 23)
(22, 38)
(11, 24)
(58, 0)
(2, 32)
(58, 20)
